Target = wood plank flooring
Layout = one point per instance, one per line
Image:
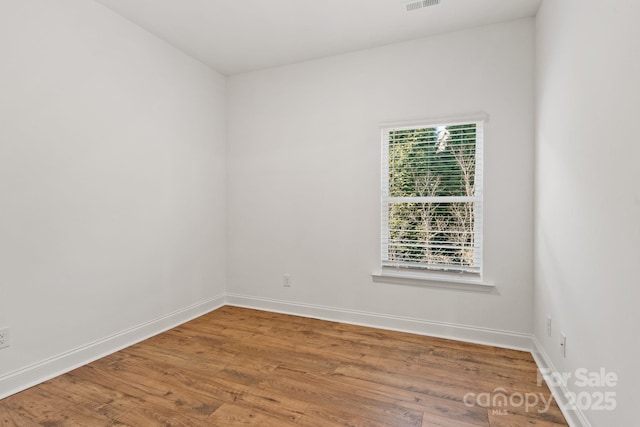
(236, 366)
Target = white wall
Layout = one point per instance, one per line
(587, 194)
(112, 179)
(304, 174)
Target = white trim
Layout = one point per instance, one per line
(478, 206)
(575, 417)
(37, 373)
(436, 121)
(434, 199)
(433, 280)
(473, 334)
(384, 195)
(478, 120)
(34, 374)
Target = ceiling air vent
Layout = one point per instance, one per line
(419, 4)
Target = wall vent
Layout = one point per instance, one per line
(419, 4)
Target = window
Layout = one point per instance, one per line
(432, 196)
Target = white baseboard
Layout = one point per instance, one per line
(26, 377)
(494, 337)
(34, 374)
(575, 417)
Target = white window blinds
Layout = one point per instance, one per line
(432, 196)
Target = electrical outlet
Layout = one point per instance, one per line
(4, 337)
(548, 326)
(563, 344)
(286, 281)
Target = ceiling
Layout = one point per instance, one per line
(236, 36)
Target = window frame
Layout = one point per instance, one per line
(435, 273)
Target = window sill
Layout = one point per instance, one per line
(433, 280)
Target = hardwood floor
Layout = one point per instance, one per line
(237, 366)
